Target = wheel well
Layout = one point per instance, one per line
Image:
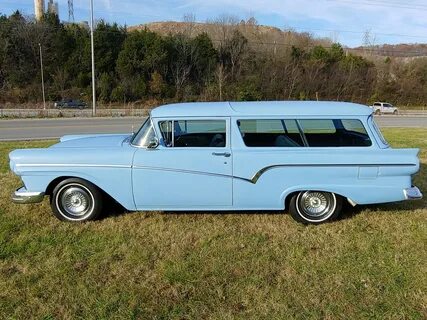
(288, 199)
(55, 182)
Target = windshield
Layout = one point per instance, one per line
(144, 135)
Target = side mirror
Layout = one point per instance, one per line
(153, 144)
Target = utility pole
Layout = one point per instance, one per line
(41, 69)
(93, 61)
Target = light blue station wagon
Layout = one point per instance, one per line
(307, 157)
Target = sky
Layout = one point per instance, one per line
(345, 21)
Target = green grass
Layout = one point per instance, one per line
(369, 264)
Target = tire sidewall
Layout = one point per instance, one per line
(298, 216)
(93, 192)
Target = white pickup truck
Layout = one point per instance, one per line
(384, 108)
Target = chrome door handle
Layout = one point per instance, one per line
(224, 154)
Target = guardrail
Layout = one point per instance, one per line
(70, 113)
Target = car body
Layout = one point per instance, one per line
(226, 156)
(384, 108)
(70, 103)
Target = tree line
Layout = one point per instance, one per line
(141, 65)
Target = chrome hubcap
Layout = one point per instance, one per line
(76, 201)
(316, 204)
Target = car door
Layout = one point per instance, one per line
(190, 168)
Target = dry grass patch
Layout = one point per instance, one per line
(369, 264)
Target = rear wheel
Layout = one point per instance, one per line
(76, 200)
(377, 112)
(314, 207)
(395, 112)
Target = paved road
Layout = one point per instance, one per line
(26, 129)
(31, 129)
(416, 121)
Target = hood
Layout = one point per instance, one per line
(92, 140)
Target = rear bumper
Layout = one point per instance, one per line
(412, 193)
(23, 196)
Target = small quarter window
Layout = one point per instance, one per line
(143, 137)
(379, 133)
(270, 133)
(194, 133)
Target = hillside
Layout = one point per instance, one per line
(267, 35)
(402, 50)
(220, 30)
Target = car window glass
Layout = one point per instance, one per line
(194, 133)
(144, 135)
(335, 133)
(318, 126)
(378, 131)
(270, 133)
(353, 125)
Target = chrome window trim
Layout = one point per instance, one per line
(154, 130)
(297, 120)
(383, 143)
(228, 130)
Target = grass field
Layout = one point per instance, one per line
(372, 263)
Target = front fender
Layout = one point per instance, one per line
(116, 183)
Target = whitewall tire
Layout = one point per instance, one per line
(314, 207)
(76, 200)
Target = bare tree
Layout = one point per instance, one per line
(185, 52)
(60, 79)
(221, 77)
(190, 23)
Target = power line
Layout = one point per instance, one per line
(378, 3)
(358, 32)
(364, 49)
(290, 28)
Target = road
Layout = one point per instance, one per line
(31, 129)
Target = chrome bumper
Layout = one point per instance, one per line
(412, 193)
(21, 195)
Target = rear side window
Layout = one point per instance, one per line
(335, 133)
(194, 133)
(303, 133)
(270, 133)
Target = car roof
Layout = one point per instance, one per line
(260, 108)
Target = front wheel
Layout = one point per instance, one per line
(395, 112)
(314, 207)
(76, 200)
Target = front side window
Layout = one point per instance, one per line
(270, 133)
(335, 133)
(193, 133)
(146, 134)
